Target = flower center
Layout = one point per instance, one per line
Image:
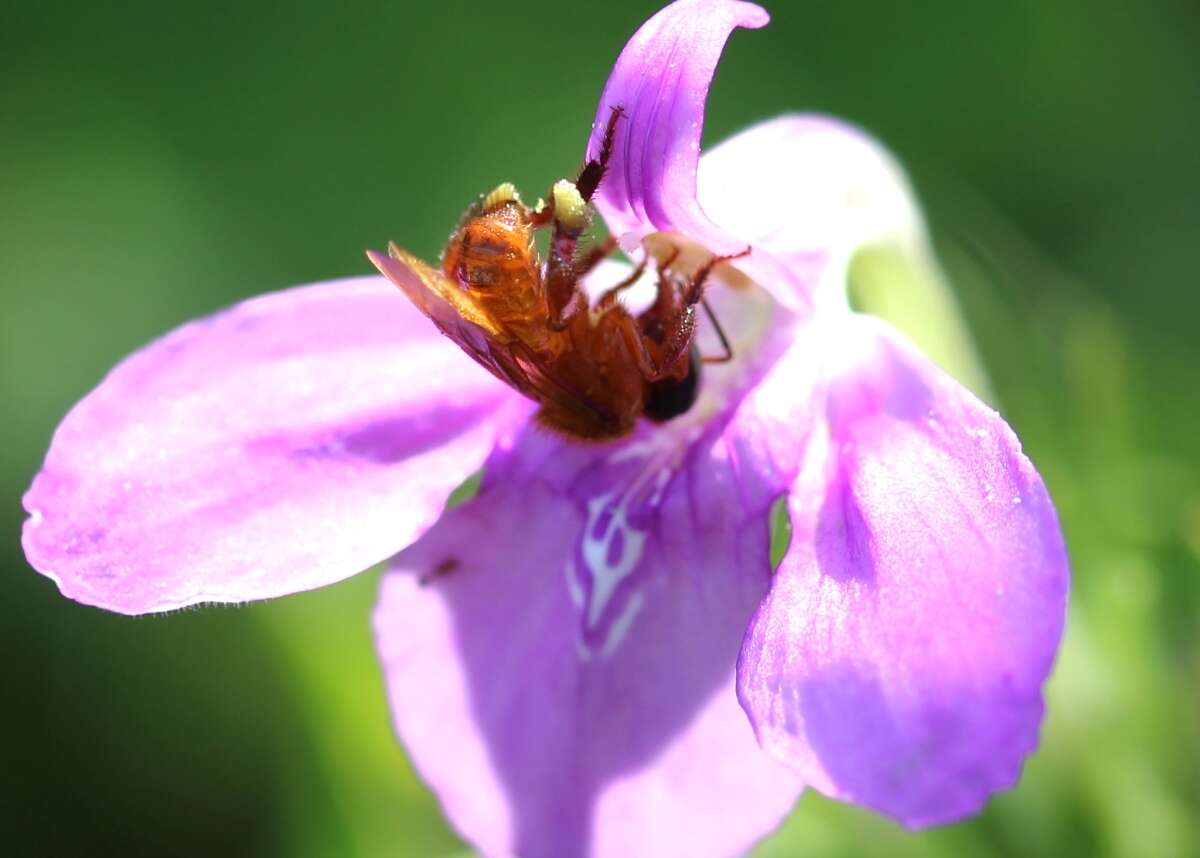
(623, 492)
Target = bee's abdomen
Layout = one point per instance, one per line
(672, 397)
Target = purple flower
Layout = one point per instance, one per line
(593, 656)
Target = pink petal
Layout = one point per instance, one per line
(281, 445)
(899, 659)
(806, 192)
(661, 81)
(564, 679)
(803, 191)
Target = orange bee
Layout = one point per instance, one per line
(594, 368)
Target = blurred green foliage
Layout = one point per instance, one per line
(158, 161)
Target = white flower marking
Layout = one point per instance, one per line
(611, 548)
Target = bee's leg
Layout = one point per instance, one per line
(608, 298)
(680, 333)
(693, 294)
(586, 183)
(712, 317)
(592, 257)
(593, 171)
(565, 267)
(666, 300)
(656, 320)
(678, 340)
(561, 280)
(694, 291)
(560, 277)
(671, 323)
(568, 208)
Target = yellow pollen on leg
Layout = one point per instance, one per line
(570, 209)
(506, 192)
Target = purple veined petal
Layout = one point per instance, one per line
(284, 444)
(661, 81)
(564, 678)
(803, 191)
(899, 658)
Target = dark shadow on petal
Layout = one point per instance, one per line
(851, 729)
(384, 438)
(395, 438)
(843, 537)
(927, 764)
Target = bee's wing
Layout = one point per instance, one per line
(435, 294)
(459, 317)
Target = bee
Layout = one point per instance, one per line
(593, 367)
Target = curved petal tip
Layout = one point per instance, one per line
(661, 82)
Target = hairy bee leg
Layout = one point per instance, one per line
(680, 329)
(593, 171)
(565, 267)
(666, 298)
(712, 317)
(679, 338)
(635, 341)
(561, 277)
(695, 288)
(608, 297)
(594, 255)
(683, 327)
(569, 210)
(693, 294)
(664, 282)
(589, 177)
(665, 323)
(572, 216)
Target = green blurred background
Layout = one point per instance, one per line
(158, 161)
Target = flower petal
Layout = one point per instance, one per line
(803, 191)
(564, 678)
(661, 81)
(281, 445)
(807, 191)
(899, 659)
